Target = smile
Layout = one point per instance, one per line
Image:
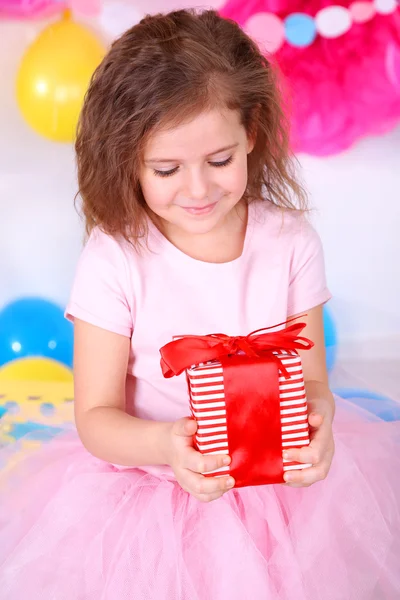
(200, 210)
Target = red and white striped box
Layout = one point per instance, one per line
(208, 406)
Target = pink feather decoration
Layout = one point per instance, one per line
(24, 9)
(341, 89)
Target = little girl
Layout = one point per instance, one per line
(196, 226)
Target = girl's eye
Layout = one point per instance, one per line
(222, 163)
(165, 173)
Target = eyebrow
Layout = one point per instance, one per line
(171, 160)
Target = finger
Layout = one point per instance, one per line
(314, 451)
(200, 463)
(199, 485)
(305, 477)
(314, 454)
(315, 419)
(185, 427)
(321, 436)
(308, 454)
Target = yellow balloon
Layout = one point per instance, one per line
(35, 369)
(54, 76)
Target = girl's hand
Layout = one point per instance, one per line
(188, 464)
(321, 449)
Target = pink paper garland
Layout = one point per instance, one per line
(268, 30)
(331, 22)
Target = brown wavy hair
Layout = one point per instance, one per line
(164, 71)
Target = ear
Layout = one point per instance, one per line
(252, 133)
(251, 142)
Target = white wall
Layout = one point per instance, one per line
(356, 196)
(357, 201)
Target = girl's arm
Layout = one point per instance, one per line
(321, 407)
(109, 433)
(106, 430)
(314, 360)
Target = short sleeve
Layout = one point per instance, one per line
(100, 290)
(307, 287)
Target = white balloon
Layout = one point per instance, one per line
(333, 21)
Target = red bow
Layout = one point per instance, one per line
(189, 350)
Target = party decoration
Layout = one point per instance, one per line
(34, 411)
(385, 7)
(28, 9)
(300, 30)
(335, 100)
(268, 30)
(393, 65)
(327, 53)
(35, 431)
(333, 21)
(35, 369)
(330, 339)
(53, 78)
(362, 12)
(23, 9)
(33, 327)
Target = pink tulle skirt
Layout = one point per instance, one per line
(75, 528)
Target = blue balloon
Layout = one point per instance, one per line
(330, 339)
(35, 327)
(300, 30)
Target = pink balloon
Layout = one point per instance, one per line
(267, 30)
(362, 11)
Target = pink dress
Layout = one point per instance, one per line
(73, 527)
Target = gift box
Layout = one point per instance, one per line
(248, 397)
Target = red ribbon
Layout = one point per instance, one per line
(189, 350)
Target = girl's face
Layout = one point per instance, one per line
(193, 175)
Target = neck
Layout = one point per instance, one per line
(221, 245)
